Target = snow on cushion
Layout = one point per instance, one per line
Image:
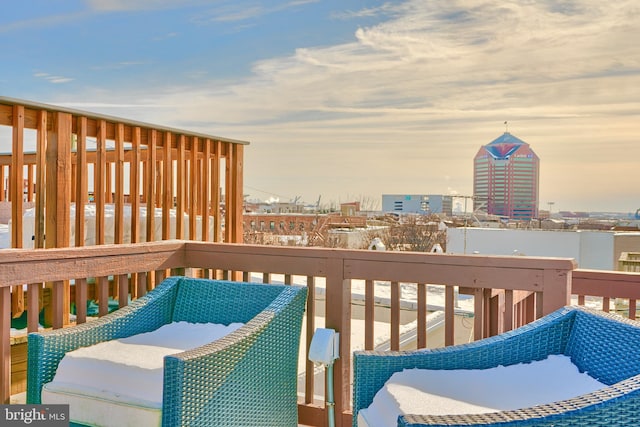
(126, 374)
(476, 391)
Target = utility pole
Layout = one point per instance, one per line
(466, 217)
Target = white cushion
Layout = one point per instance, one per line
(119, 382)
(457, 392)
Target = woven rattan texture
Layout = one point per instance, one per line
(248, 378)
(603, 345)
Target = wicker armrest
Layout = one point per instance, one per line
(616, 405)
(246, 378)
(46, 349)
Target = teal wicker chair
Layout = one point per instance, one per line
(247, 378)
(604, 345)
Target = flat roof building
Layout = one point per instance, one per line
(424, 204)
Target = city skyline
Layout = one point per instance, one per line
(352, 99)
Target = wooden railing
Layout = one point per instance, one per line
(158, 182)
(506, 291)
(529, 287)
(78, 154)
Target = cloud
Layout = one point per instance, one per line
(43, 22)
(52, 78)
(166, 36)
(118, 65)
(245, 11)
(133, 5)
(407, 102)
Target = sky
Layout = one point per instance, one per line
(346, 100)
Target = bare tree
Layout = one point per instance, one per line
(418, 233)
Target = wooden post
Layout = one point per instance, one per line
(134, 185)
(369, 315)
(81, 177)
(17, 195)
(152, 164)
(237, 192)
(234, 194)
(17, 176)
(58, 202)
(99, 186)
(206, 190)
(41, 168)
(311, 328)
(5, 345)
(152, 171)
(228, 188)
(557, 290)
(215, 191)
(395, 316)
(422, 315)
(338, 291)
(134, 195)
(449, 314)
(119, 190)
(167, 200)
(193, 188)
(181, 186)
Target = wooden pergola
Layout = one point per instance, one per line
(119, 162)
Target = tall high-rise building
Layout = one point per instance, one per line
(506, 174)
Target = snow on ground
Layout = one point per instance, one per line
(5, 238)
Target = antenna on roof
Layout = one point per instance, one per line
(506, 127)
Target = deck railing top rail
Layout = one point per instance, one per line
(97, 116)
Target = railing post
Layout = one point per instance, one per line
(5, 344)
(338, 309)
(557, 290)
(58, 204)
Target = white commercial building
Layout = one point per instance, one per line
(597, 250)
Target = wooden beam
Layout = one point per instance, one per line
(167, 187)
(81, 177)
(206, 190)
(134, 185)
(119, 190)
(5, 346)
(215, 192)
(237, 192)
(41, 150)
(99, 186)
(16, 179)
(193, 187)
(16, 187)
(180, 186)
(152, 164)
(58, 205)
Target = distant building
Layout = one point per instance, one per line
(506, 174)
(592, 249)
(417, 204)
